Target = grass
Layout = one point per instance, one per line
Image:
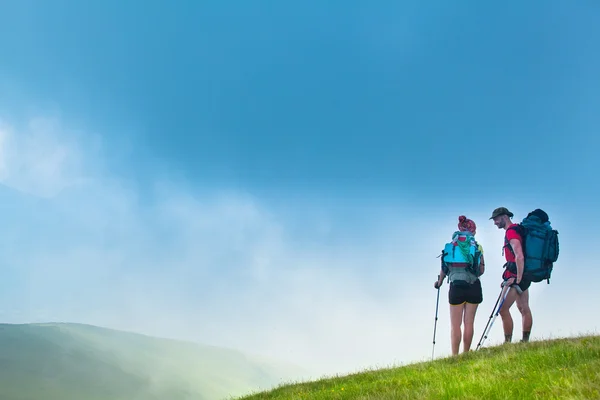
(69, 362)
(552, 369)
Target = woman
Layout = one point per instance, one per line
(463, 263)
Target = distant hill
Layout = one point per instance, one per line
(57, 361)
(553, 369)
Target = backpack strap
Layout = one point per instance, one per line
(507, 243)
(444, 266)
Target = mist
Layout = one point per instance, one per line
(333, 288)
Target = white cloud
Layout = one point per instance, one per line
(41, 159)
(222, 268)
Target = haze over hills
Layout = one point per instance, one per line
(75, 361)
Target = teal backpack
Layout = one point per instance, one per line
(540, 245)
(461, 257)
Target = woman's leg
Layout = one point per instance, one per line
(456, 316)
(469, 320)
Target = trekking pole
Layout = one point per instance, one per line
(489, 319)
(498, 311)
(436, 318)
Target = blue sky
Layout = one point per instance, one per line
(280, 177)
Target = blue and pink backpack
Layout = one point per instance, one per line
(461, 258)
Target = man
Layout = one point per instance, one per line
(513, 275)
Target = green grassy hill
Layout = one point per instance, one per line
(553, 369)
(82, 362)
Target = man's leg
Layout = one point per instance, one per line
(469, 320)
(523, 306)
(456, 316)
(507, 322)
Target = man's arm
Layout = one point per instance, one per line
(519, 258)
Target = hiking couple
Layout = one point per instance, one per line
(468, 264)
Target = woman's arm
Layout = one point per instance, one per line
(481, 265)
(437, 284)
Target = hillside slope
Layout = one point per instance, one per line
(553, 369)
(70, 361)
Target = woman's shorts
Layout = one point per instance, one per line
(462, 292)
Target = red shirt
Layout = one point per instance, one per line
(511, 234)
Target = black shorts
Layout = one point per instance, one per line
(462, 292)
(523, 285)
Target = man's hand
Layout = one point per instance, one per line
(509, 282)
(437, 284)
